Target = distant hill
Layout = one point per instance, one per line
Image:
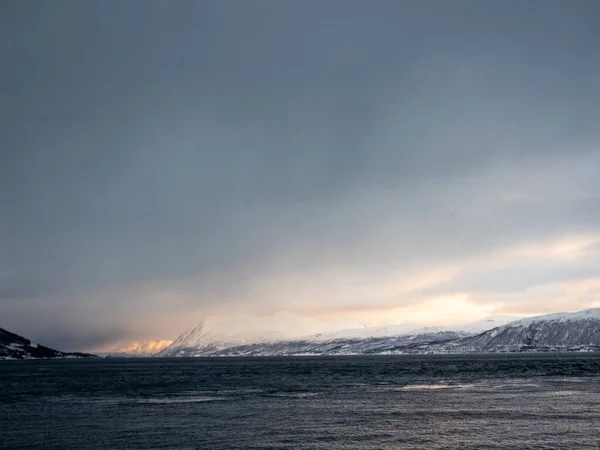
(13, 346)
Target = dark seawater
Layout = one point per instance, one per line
(381, 402)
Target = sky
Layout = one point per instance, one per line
(426, 162)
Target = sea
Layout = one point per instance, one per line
(498, 401)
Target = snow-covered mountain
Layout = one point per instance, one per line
(13, 346)
(217, 333)
(578, 331)
(486, 324)
(388, 331)
(352, 346)
(219, 337)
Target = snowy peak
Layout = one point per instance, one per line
(218, 332)
(412, 329)
(223, 333)
(485, 324)
(586, 314)
(579, 331)
(363, 333)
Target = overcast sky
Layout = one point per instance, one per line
(384, 161)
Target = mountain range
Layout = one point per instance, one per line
(578, 331)
(281, 335)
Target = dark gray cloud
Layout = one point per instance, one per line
(146, 142)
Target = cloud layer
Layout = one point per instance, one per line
(164, 161)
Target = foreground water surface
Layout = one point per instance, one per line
(538, 401)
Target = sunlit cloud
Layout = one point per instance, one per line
(136, 347)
